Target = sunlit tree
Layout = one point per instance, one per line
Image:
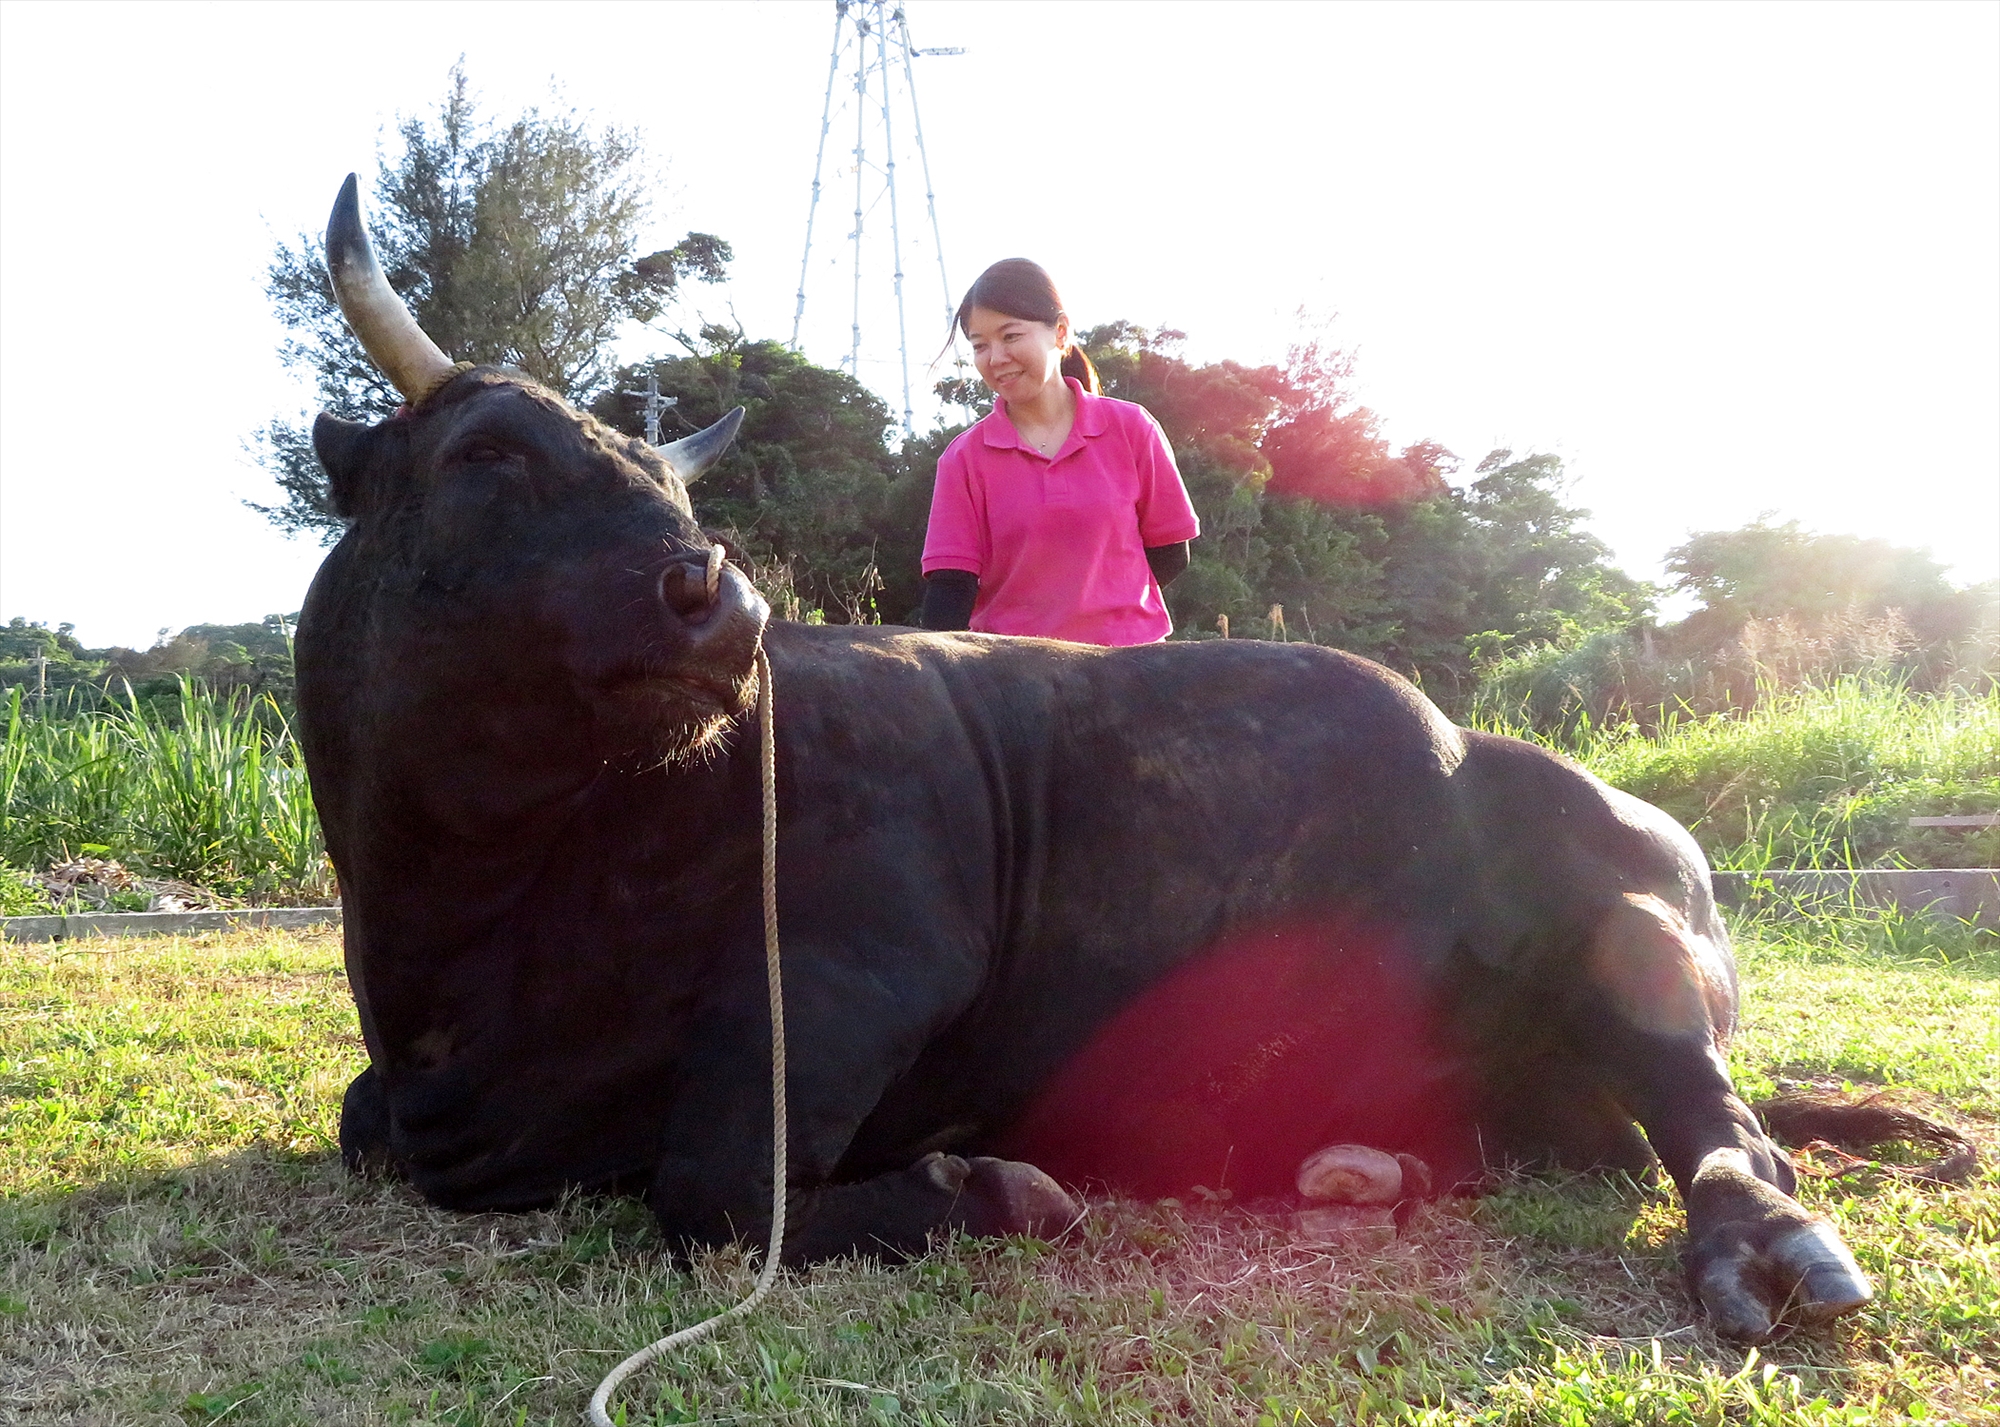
(514, 243)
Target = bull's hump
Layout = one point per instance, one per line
(1211, 688)
(1264, 687)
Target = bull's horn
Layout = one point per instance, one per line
(388, 333)
(691, 455)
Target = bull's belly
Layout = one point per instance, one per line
(1237, 1065)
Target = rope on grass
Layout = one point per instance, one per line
(600, 1400)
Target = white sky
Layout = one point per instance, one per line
(1722, 258)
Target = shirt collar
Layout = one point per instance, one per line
(996, 428)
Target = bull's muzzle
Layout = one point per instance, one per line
(720, 617)
(687, 589)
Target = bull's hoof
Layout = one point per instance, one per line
(364, 1129)
(943, 1171)
(1758, 1261)
(1017, 1198)
(1352, 1174)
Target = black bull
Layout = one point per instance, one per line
(1145, 917)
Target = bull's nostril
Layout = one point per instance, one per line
(684, 590)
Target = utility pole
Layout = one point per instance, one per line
(655, 404)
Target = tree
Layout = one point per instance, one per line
(1761, 571)
(809, 493)
(1306, 509)
(1328, 450)
(22, 640)
(257, 657)
(1831, 599)
(1544, 575)
(513, 244)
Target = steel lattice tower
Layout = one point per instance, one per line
(871, 45)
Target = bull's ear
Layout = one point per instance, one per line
(343, 448)
(692, 455)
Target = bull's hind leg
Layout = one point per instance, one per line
(1659, 1003)
(892, 1214)
(897, 1213)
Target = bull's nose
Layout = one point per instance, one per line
(684, 589)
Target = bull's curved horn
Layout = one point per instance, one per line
(388, 333)
(691, 455)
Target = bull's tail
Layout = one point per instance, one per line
(1863, 1124)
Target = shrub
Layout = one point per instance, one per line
(1642, 677)
(206, 788)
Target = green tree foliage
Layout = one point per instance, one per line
(1766, 571)
(34, 657)
(809, 492)
(1782, 609)
(21, 641)
(255, 657)
(1313, 527)
(512, 243)
(1406, 569)
(515, 244)
(1310, 516)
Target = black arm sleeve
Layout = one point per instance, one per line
(1167, 561)
(948, 599)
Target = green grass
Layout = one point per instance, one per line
(209, 789)
(19, 896)
(179, 1245)
(1819, 776)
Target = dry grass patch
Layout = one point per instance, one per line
(179, 1245)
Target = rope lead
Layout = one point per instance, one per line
(599, 1400)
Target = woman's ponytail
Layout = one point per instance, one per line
(1076, 363)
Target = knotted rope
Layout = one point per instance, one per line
(599, 1400)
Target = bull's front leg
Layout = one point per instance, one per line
(848, 1040)
(1754, 1256)
(364, 1128)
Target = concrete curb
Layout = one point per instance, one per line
(120, 924)
(1970, 893)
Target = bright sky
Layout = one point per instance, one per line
(1724, 259)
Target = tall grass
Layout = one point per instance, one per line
(206, 788)
(1817, 776)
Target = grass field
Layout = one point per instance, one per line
(179, 1245)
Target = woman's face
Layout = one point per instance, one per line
(1016, 356)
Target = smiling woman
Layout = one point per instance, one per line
(1062, 512)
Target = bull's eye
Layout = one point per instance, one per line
(482, 453)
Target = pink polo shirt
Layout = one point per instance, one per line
(1059, 543)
